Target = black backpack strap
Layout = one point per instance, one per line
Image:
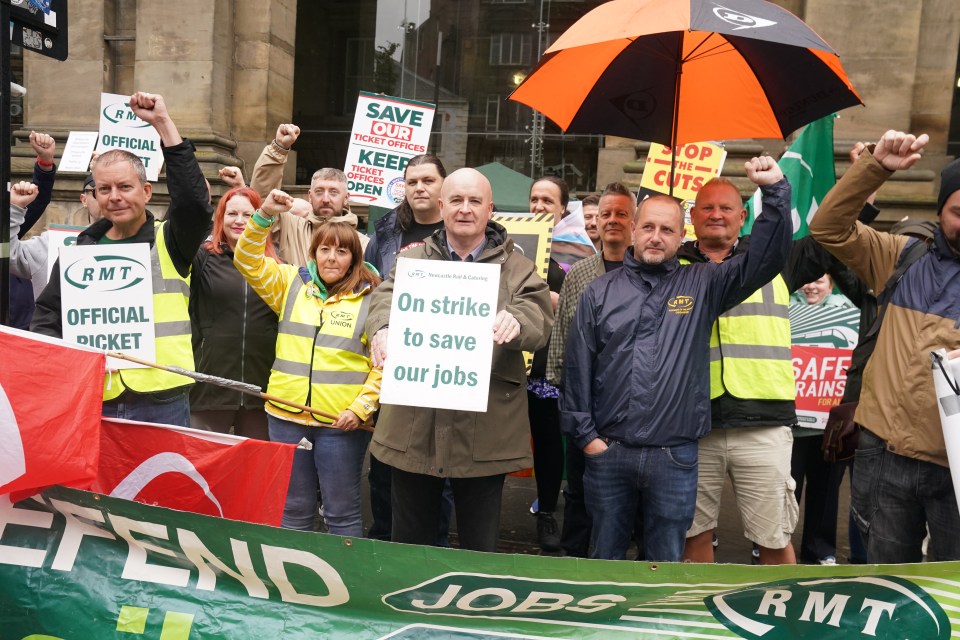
(911, 254)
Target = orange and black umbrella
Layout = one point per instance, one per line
(677, 71)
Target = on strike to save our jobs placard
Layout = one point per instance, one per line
(440, 342)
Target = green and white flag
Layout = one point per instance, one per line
(808, 165)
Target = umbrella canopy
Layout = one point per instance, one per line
(677, 71)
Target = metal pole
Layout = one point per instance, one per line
(436, 95)
(5, 163)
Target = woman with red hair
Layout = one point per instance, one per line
(234, 331)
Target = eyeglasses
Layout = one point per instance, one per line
(89, 191)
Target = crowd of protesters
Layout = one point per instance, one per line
(661, 368)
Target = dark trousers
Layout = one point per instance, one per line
(575, 533)
(823, 495)
(577, 524)
(544, 416)
(379, 478)
(417, 509)
(895, 499)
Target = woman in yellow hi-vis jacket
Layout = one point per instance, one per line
(322, 361)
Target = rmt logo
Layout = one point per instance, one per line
(741, 20)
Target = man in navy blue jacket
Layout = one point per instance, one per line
(637, 389)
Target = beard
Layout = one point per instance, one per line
(652, 260)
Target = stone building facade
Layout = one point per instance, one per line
(231, 70)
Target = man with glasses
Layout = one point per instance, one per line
(90, 211)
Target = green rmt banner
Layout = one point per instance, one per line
(808, 166)
(83, 566)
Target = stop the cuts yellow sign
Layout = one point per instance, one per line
(697, 163)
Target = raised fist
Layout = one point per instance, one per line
(277, 202)
(232, 177)
(763, 170)
(44, 145)
(149, 107)
(23, 193)
(287, 134)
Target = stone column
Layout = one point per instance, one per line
(184, 51)
(262, 85)
(878, 45)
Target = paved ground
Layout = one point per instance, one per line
(519, 532)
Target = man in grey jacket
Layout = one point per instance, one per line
(636, 394)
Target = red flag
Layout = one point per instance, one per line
(50, 399)
(190, 470)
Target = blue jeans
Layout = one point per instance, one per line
(662, 481)
(143, 408)
(334, 465)
(894, 499)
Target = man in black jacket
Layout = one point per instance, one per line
(123, 192)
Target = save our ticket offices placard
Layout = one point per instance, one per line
(120, 128)
(107, 299)
(440, 343)
(387, 132)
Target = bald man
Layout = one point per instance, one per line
(474, 450)
(636, 374)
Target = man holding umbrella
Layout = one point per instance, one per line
(636, 373)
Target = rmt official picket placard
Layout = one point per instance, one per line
(387, 132)
(120, 128)
(107, 293)
(440, 345)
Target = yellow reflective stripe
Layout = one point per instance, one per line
(768, 309)
(361, 318)
(297, 329)
(750, 352)
(171, 329)
(339, 378)
(340, 343)
(299, 369)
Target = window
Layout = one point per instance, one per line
(511, 49)
(493, 112)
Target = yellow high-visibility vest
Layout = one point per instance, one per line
(750, 347)
(171, 325)
(322, 358)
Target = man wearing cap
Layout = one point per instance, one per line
(90, 211)
(902, 484)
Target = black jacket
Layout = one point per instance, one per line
(384, 244)
(234, 332)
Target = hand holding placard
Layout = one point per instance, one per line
(378, 348)
(505, 327)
